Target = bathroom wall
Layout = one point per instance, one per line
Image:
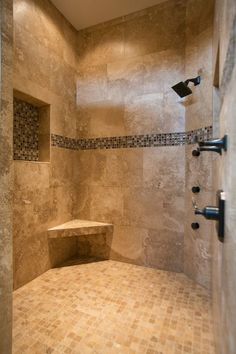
(6, 176)
(44, 194)
(126, 69)
(224, 254)
(198, 243)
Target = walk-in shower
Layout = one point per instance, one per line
(118, 196)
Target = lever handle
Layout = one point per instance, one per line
(210, 148)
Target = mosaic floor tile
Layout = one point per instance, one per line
(111, 307)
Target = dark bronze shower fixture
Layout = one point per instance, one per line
(196, 153)
(216, 145)
(215, 213)
(195, 225)
(196, 189)
(182, 88)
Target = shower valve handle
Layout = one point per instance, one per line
(215, 213)
(209, 212)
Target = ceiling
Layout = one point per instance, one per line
(86, 13)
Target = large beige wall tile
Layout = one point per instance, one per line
(106, 204)
(162, 70)
(108, 44)
(128, 244)
(163, 169)
(100, 119)
(101, 44)
(92, 169)
(150, 33)
(144, 114)
(164, 249)
(6, 182)
(125, 78)
(143, 207)
(92, 85)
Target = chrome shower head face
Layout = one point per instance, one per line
(182, 89)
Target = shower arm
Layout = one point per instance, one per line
(195, 80)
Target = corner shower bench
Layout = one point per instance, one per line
(79, 228)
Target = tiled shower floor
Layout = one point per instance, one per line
(111, 307)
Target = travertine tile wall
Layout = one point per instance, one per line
(198, 243)
(224, 255)
(6, 118)
(44, 194)
(126, 69)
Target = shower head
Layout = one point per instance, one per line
(182, 88)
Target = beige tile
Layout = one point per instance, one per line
(112, 307)
(128, 244)
(149, 33)
(164, 249)
(106, 204)
(102, 119)
(164, 168)
(92, 85)
(143, 207)
(125, 78)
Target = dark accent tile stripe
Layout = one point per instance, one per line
(133, 141)
(64, 142)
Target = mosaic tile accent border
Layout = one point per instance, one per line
(133, 141)
(25, 131)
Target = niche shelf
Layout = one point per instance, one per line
(31, 129)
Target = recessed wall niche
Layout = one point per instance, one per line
(31, 129)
